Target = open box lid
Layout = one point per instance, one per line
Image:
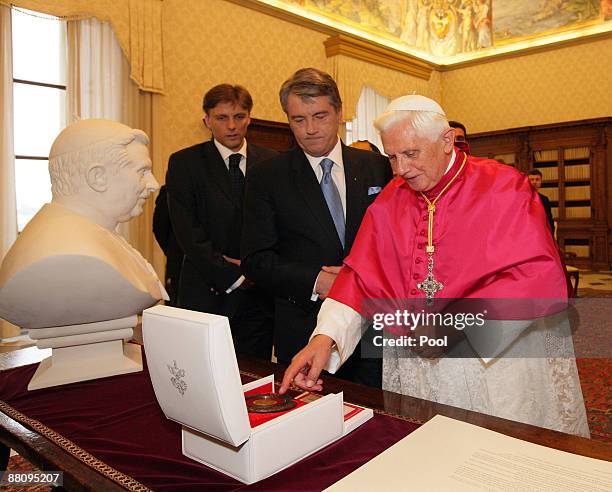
(194, 372)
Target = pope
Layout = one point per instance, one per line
(455, 226)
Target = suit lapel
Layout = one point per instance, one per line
(353, 175)
(252, 156)
(307, 184)
(217, 168)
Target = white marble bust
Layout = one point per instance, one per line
(69, 266)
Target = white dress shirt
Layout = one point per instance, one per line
(226, 153)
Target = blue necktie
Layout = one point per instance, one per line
(332, 197)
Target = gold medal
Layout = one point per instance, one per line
(269, 402)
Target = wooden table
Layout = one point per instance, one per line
(77, 476)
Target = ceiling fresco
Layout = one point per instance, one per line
(453, 31)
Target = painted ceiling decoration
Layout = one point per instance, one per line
(446, 32)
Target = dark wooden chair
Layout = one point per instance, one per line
(572, 273)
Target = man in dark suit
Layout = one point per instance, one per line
(535, 178)
(205, 185)
(302, 211)
(162, 229)
(461, 136)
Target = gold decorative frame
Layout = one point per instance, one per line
(342, 44)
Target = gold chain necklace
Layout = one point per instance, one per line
(430, 285)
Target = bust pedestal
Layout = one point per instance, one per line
(87, 351)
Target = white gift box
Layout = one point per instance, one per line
(195, 376)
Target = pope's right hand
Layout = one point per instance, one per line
(307, 365)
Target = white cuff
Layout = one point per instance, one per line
(344, 326)
(334, 362)
(315, 297)
(235, 285)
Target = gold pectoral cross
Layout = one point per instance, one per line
(430, 285)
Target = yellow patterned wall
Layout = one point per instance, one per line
(566, 84)
(214, 41)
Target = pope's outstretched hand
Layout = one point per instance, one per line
(307, 365)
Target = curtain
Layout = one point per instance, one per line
(8, 203)
(99, 86)
(136, 23)
(349, 86)
(369, 106)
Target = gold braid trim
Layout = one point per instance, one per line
(257, 376)
(400, 417)
(79, 453)
(380, 412)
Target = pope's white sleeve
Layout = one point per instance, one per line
(344, 326)
(495, 336)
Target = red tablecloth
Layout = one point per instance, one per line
(118, 420)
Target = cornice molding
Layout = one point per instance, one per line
(284, 15)
(361, 49)
(525, 51)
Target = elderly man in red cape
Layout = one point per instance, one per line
(460, 227)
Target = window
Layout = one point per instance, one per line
(39, 92)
